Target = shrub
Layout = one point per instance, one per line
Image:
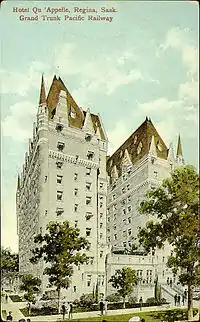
(115, 297)
(151, 301)
(163, 301)
(86, 300)
(132, 300)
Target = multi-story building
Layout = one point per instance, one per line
(140, 163)
(64, 178)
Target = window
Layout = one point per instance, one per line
(46, 212)
(101, 185)
(59, 179)
(114, 207)
(128, 186)
(59, 195)
(76, 223)
(59, 164)
(101, 235)
(90, 155)
(139, 148)
(91, 260)
(101, 204)
(123, 190)
(88, 215)
(88, 171)
(88, 200)
(73, 112)
(108, 239)
(124, 211)
(114, 217)
(101, 254)
(155, 174)
(124, 221)
(129, 208)
(101, 215)
(129, 232)
(115, 236)
(101, 225)
(129, 198)
(59, 211)
(89, 279)
(108, 219)
(75, 176)
(60, 146)
(88, 232)
(74, 289)
(123, 201)
(75, 192)
(88, 246)
(124, 233)
(88, 186)
(88, 137)
(59, 127)
(129, 220)
(124, 244)
(108, 230)
(114, 196)
(45, 179)
(75, 208)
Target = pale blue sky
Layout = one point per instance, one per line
(144, 62)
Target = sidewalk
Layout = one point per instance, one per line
(11, 306)
(82, 315)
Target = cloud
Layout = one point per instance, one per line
(178, 39)
(9, 220)
(18, 125)
(117, 136)
(103, 73)
(21, 83)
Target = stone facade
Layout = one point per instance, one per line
(65, 177)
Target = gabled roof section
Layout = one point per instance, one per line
(138, 145)
(76, 116)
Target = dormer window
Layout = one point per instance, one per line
(135, 139)
(90, 155)
(139, 148)
(60, 146)
(59, 127)
(159, 146)
(73, 113)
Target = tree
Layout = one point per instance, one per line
(124, 280)
(9, 265)
(31, 285)
(61, 248)
(175, 206)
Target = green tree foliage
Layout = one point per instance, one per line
(175, 206)
(61, 248)
(124, 280)
(31, 286)
(9, 265)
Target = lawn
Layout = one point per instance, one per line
(168, 316)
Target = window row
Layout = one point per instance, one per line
(61, 146)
